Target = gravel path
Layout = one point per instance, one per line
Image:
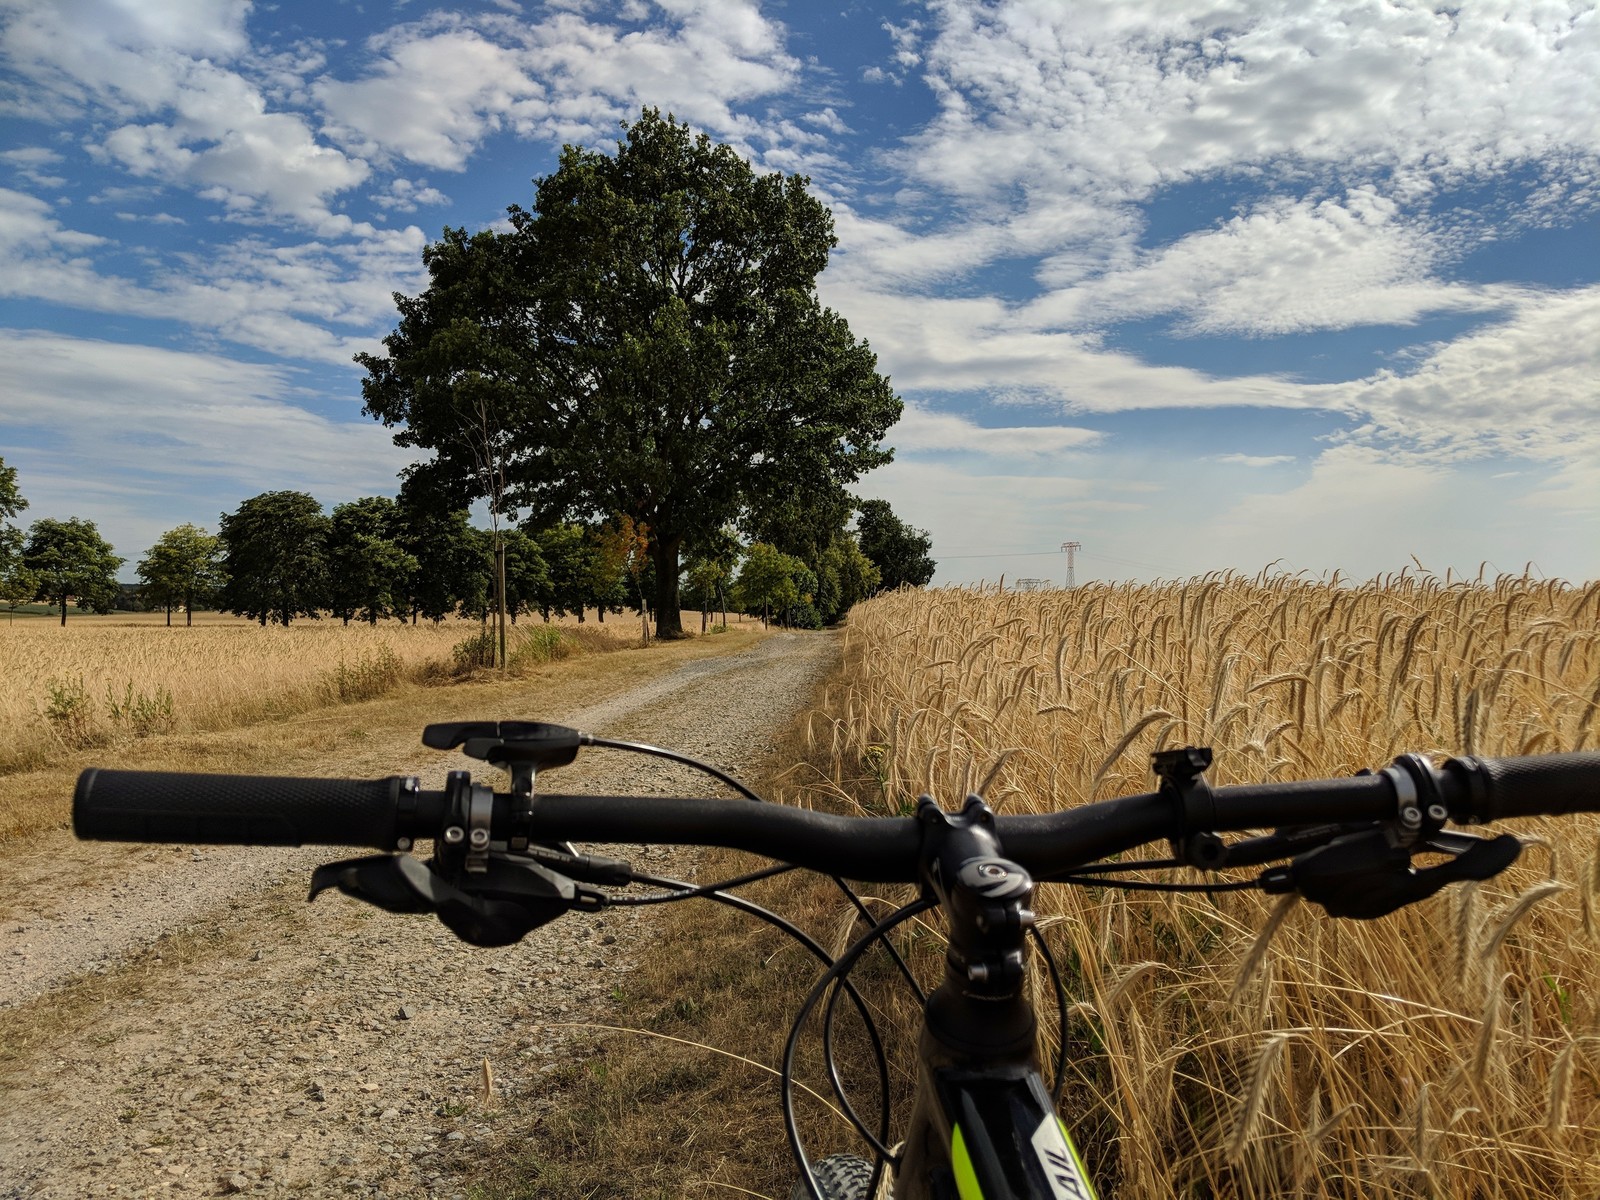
(332, 1049)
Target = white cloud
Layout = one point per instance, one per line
(158, 73)
(1287, 266)
(27, 226)
(405, 195)
(920, 430)
(313, 301)
(1124, 98)
(1525, 386)
(438, 87)
(432, 95)
(1367, 511)
(131, 427)
(982, 345)
(1254, 460)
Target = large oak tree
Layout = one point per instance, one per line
(646, 342)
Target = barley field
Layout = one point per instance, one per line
(101, 679)
(1449, 1050)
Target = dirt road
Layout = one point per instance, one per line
(329, 1049)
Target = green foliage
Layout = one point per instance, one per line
(900, 552)
(478, 652)
(369, 573)
(69, 709)
(768, 585)
(275, 548)
(647, 341)
(373, 673)
(183, 569)
(139, 712)
(527, 573)
(844, 576)
(69, 560)
(11, 501)
(539, 644)
(452, 558)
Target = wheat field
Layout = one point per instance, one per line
(97, 680)
(1450, 1050)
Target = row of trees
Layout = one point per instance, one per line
(280, 556)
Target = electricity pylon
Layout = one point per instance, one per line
(1071, 548)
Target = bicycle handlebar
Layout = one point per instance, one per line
(240, 810)
(387, 814)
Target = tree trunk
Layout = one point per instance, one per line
(169, 614)
(63, 610)
(500, 600)
(664, 553)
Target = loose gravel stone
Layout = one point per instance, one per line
(340, 1049)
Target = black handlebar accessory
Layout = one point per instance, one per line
(1366, 875)
(495, 907)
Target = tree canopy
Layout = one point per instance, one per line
(900, 552)
(369, 572)
(69, 560)
(647, 343)
(276, 557)
(17, 583)
(183, 568)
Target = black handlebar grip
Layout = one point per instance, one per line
(240, 810)
(1489, 789)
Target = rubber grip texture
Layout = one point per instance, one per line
(240, 810)
(1490, 789)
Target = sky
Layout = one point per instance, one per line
(1197, 286)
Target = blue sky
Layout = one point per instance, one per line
(1198, 286)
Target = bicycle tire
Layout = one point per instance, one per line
(839, 1177)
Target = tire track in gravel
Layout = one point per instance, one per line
(335, 1049)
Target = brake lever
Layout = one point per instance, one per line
(1366, 875)
(495, 907)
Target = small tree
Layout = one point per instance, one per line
(768, 582)
(844, 576)
(899, 551)
(183, 568)
(626, 544)
(369, 572)
(275, 549)
(527, 575)
(18, 585)
(71, 561)
(451, 567)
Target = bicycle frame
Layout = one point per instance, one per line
(983, 1125)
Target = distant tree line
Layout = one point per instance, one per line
(280, 556)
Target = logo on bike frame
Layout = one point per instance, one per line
(1059, 1158)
